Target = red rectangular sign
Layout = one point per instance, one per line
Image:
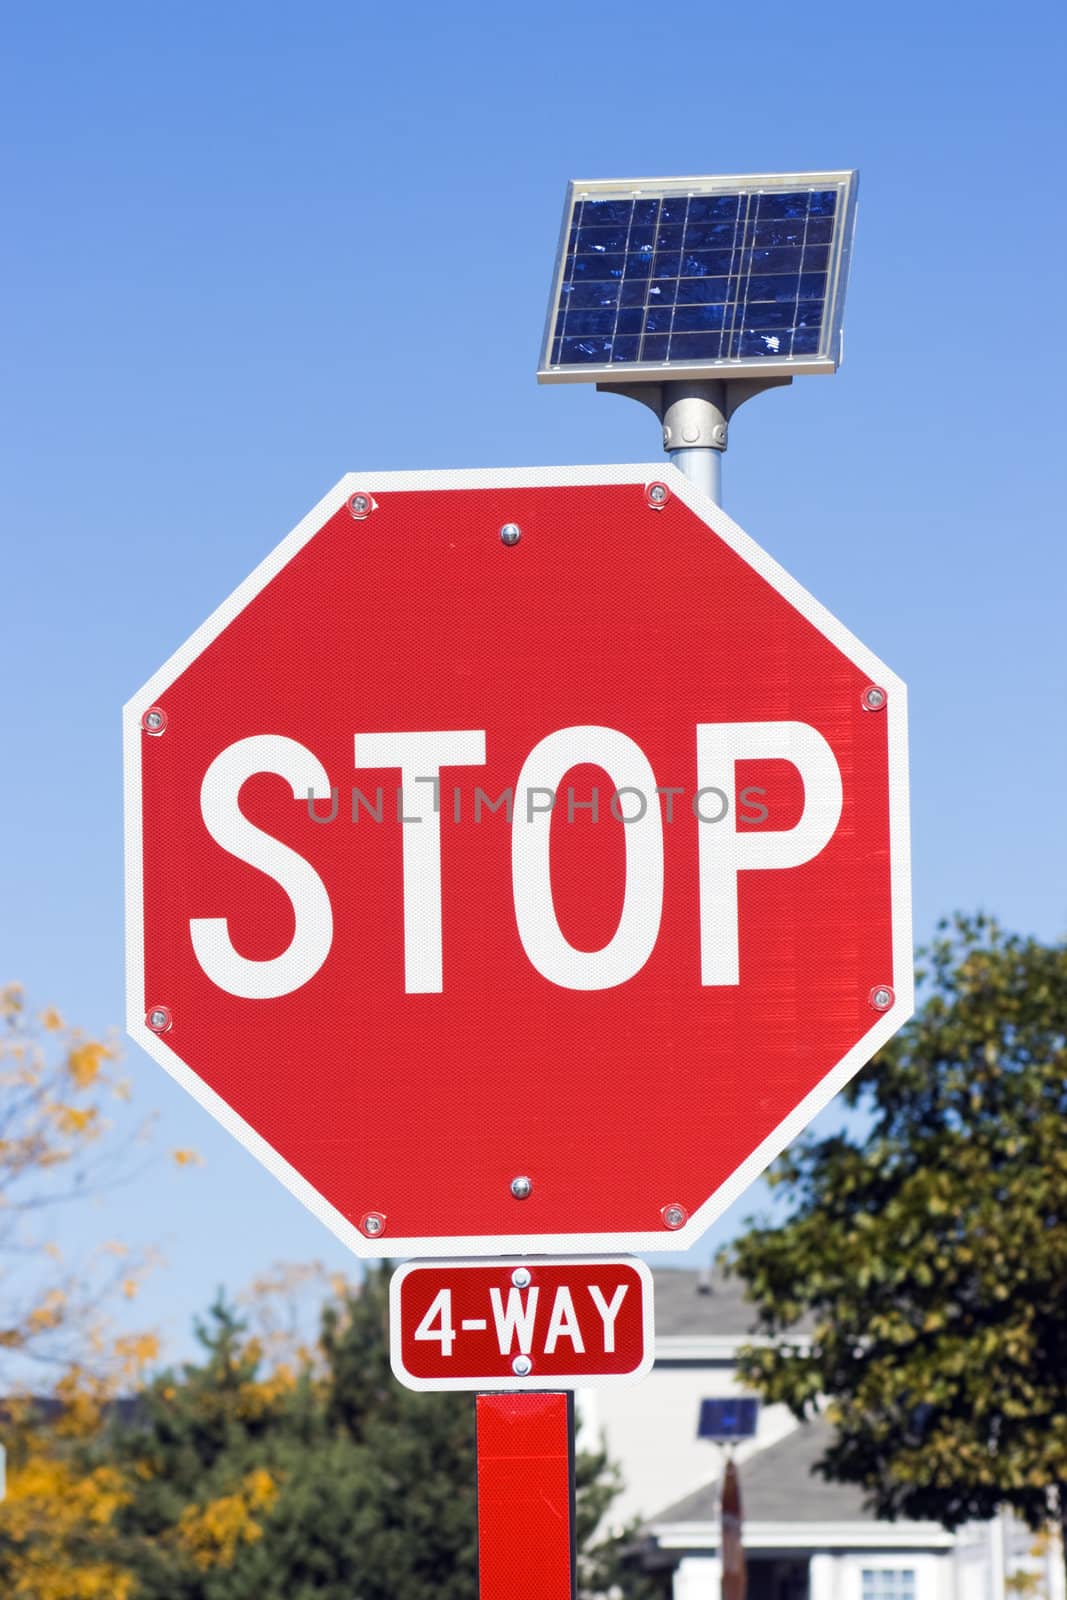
(525, 1497)
(521, 1323)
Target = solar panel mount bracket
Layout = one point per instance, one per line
(695, 413)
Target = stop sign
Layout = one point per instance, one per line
(517, 861)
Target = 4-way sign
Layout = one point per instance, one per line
(517, 861)
(523, 1323)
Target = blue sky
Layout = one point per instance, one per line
(252, 247)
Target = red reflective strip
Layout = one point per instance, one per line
(525, 1497)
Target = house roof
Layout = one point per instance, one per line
(706, 1303)
(778, 1484)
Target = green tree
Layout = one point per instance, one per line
(327, 1481)
(930, 1249)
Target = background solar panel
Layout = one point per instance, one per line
(689, 278)
(727, 1419)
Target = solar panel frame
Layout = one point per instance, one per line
(824, 359)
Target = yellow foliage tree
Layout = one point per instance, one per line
(211, 1533)
(57, 1144)
(55, 1086)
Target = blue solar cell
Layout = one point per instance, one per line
(583, 351)
(698, 319)
(695, 346)
(674, 208)
(593, 267)
(820, 230)
(601, 241)
(766, 315)
(702, 291)
(600, 212)
(780, 232)
(760, 344)
(774, 260)
(714, 208)
(706, 263)
(785, 286)
(795, 205)
(812, 286)
(698, 277)
(709, 235)
(583, 322)
(583, 296)
(633, 290)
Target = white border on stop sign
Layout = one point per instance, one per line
(882, 1028)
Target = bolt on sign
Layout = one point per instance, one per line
(517, 861)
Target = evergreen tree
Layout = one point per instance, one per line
(334, 1483)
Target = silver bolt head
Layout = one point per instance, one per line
(510, 534)
(154, 721)
(882, 997)
(674, 1216)
(360, 505)
(373, 1223)
(522, 1366)
(521, 1277)
(658, 493)
(874, 698)
(159, 1019)
(521, 1188)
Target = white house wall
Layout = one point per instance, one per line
(933, 1573)
(697, 1578)
(650, 1429)
(831, 1575)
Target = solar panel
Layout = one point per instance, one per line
(699, 277)
(727, 1419)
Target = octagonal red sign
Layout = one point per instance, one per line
(517, 861)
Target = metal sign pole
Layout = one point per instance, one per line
(454, 1325)
(731, 1546)
(695, 416)
(526, 1539)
